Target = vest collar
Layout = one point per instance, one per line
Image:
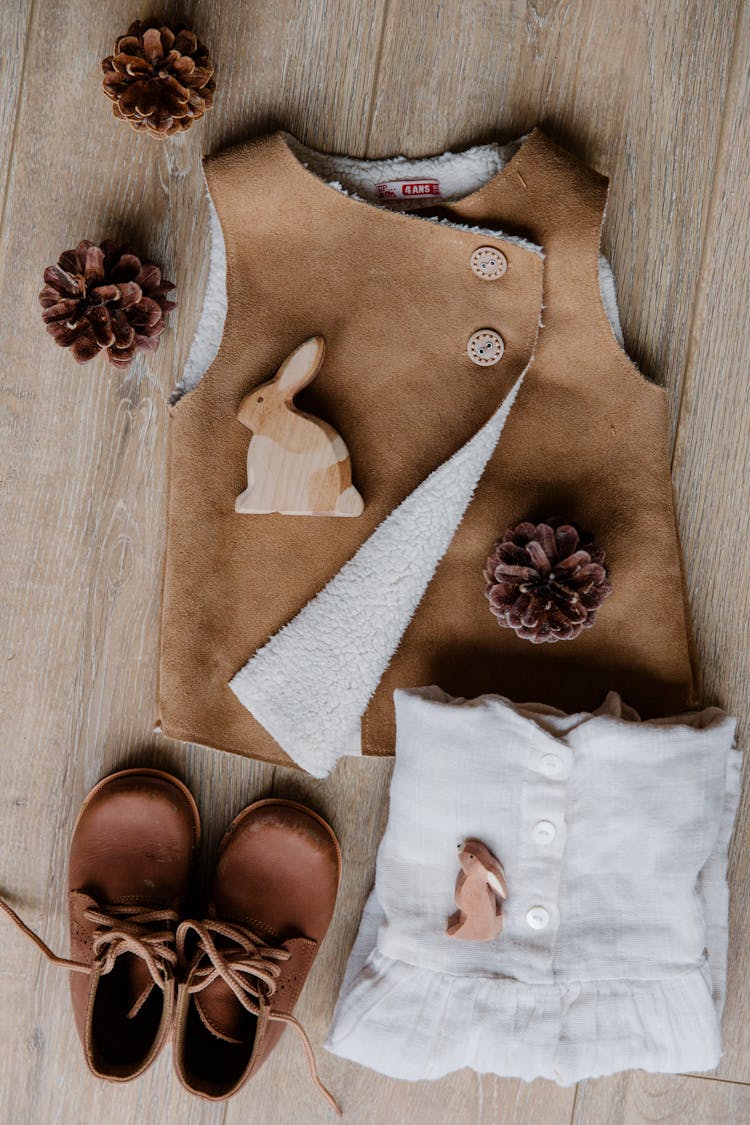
(478, 171)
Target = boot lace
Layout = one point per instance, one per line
(120, 929)
(250, 968)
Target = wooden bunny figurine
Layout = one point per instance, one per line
(479, 887)
(296, 464)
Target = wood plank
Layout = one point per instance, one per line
(611, 81)
(712, 474)
(635, 1098)
(14, 30)
(83, 461)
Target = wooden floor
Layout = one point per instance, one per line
(655, 93)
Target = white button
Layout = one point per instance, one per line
(551, 765)
(485, 347)
(544, 831)
(538, 918)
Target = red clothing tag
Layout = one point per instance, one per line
(409, 189)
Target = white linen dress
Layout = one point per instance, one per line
(613, 834)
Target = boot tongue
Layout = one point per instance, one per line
(140, 983)
(222, 1014)
(133, 972)
(217, 1005)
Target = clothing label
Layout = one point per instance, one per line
(409, 189)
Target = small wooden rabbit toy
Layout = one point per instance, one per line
(479, 887)
(297, 465)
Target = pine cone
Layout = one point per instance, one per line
(546, 581)
(104, 298)
(159, 78)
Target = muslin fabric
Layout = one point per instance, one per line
(613, 952)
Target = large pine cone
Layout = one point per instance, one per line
(546, 581)
(104, 298)
(160, 79)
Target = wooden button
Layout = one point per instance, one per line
(489, 263)
(485, 347)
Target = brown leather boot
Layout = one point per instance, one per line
(273, 895)
(130, 861)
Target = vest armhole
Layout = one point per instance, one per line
(608, 294)
(607, 305)
(609, 312)
(212, 318)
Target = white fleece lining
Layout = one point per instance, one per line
(459, 173)
(609, 299)
(210, 328)
(311, 682)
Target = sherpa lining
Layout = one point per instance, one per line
(310, 684)
(609, 299)
(210, 328)
(460, 173)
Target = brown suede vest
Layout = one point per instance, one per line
(396, 301)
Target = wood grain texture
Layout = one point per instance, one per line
(14, 32)
(646, 91)
(712, 480)
(658, 1099)
(297, 465)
